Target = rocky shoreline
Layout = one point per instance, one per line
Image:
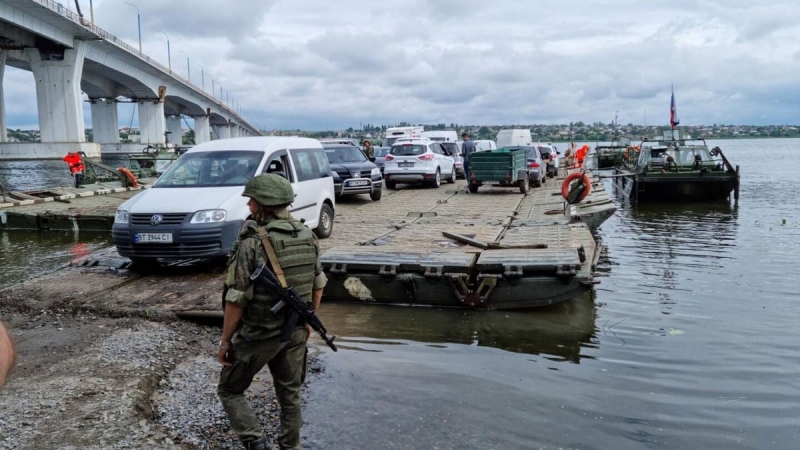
(99, 380)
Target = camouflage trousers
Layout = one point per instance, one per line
(287, 364)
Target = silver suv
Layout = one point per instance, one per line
(418, 161)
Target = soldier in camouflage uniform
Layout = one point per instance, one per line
(251, 333)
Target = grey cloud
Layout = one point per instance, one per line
(453, 10)
(450, 94)
(188, 18)
(19, 90)
(317, 63)
(354, 52)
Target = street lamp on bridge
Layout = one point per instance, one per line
(188, 67)
(139, 21)
(91, 12)
(203, 77)
(169, 52)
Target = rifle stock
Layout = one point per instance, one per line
(298, 309)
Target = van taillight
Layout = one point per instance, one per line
(388, 157)
(534, 165)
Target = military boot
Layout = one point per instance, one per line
(258, 444)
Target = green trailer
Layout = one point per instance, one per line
(502, 167)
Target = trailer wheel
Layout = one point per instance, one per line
(524, 185)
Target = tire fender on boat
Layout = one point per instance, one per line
(131, 178)
(583, 179)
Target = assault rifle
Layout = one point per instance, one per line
(288, 298)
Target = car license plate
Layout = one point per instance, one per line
(153, 238)
(352, 183)
(405, 164)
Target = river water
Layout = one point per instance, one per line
(688, 342)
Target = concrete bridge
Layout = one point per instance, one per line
(69, 55)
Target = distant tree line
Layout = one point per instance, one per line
(573, 131)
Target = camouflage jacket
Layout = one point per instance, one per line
(248, 253)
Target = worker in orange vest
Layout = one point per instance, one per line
(76, 167)
(580, 154)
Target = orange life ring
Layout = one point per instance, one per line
(632, 153)
(572, 177)
(129, 176)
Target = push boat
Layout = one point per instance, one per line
(611, 155)
(676, 168)
(144, 167)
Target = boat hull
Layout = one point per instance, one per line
(609, 160)
(700, 187)
(418, 290)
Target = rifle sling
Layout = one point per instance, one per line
(271, 256)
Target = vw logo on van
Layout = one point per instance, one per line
(156, 219)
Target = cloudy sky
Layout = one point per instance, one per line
(322, 64)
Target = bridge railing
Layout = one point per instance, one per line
(74, 17)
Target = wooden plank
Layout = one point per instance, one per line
(465, 240)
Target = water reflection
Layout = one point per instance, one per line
(24, 254)
(701, 233)
(42, 174)
(561, 331)
(667, 254)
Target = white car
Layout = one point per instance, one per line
(418, 161)
(552, 161)
(196, 208)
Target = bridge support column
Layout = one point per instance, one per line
(105, 121)
(202, 131)
(151, 121)
(3, 129)
(175, 135)
(223, 131)
(58, 92)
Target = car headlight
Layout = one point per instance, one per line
(121, 216)
(375, 172)
(335, 175)
(209, 216)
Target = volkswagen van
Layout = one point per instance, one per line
(196, 208)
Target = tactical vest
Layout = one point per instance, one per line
(297, 254)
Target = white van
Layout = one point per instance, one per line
(513, 138)
(441, 135)
(392, 134)
(196, 208)
(485, 145)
